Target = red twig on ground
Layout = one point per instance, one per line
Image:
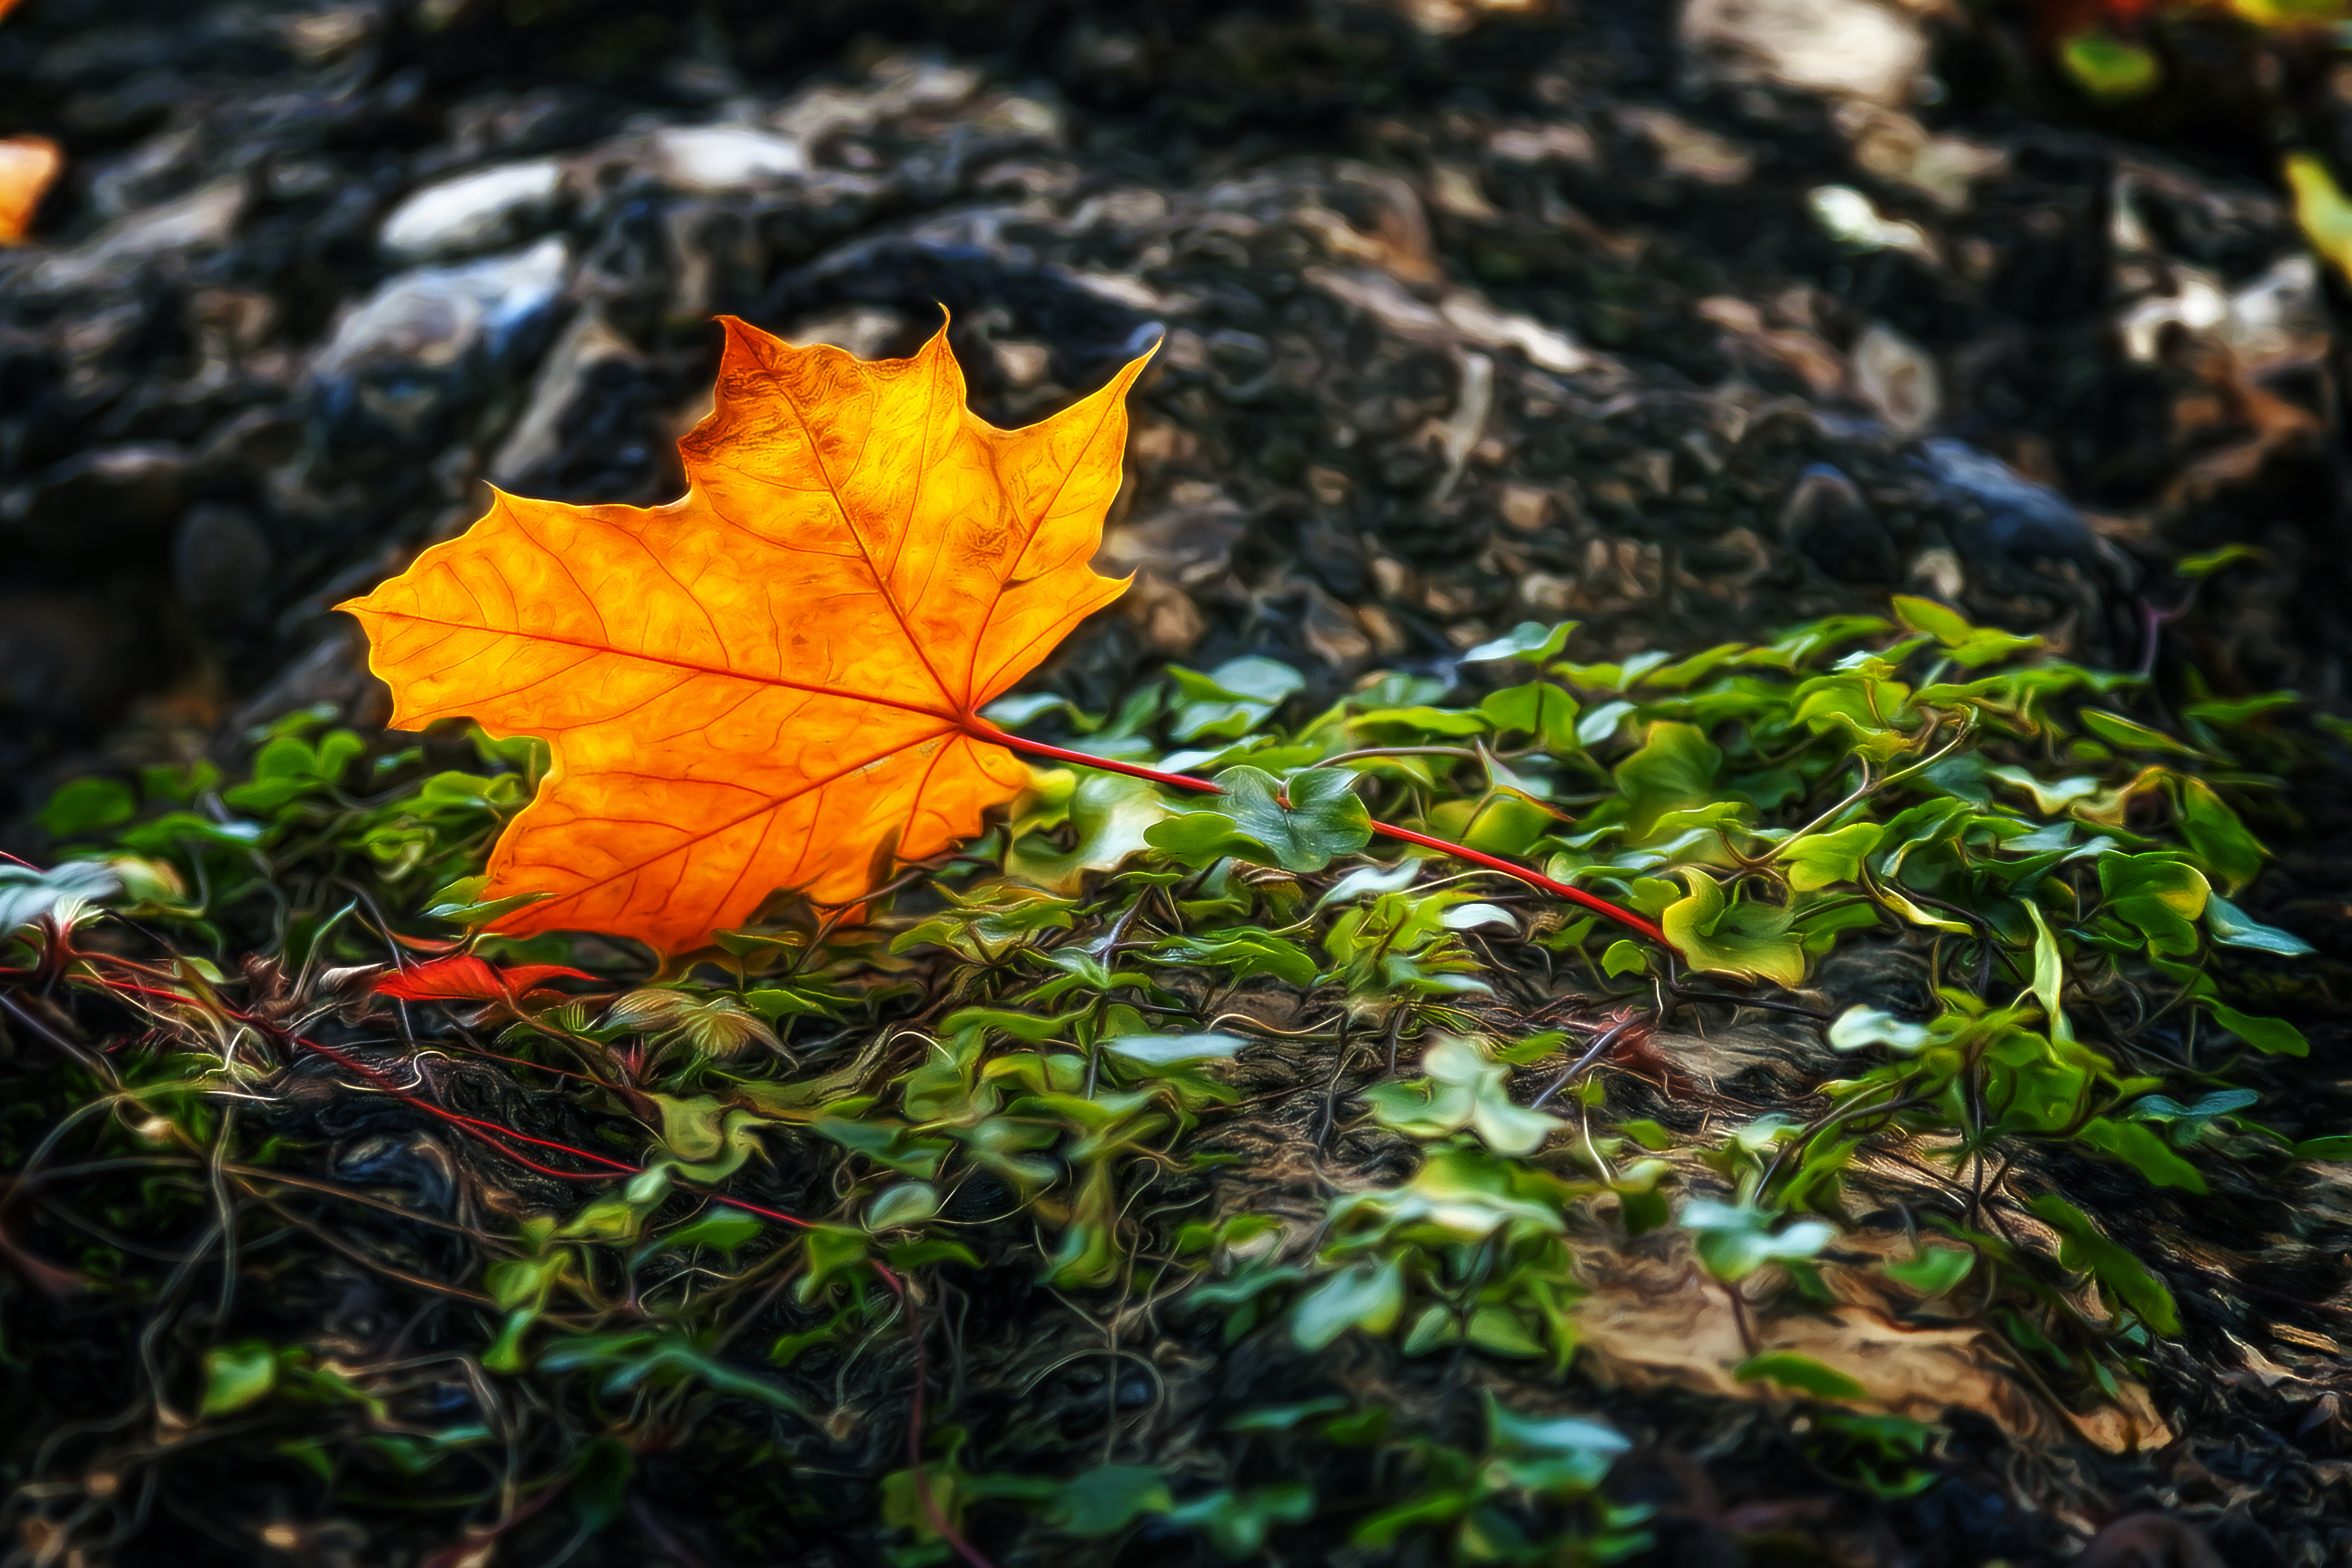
(492, 1133)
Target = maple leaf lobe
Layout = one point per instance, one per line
(774, 681)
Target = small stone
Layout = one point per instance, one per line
(221, 562)
(472, 213)
(725, 157)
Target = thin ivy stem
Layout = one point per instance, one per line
(981, 730)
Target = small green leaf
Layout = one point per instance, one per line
(2049, 976)
(1537, 708)
(1932, 1270)
(2217, 837)
(86, 805)
(1820, 859)
(1367, 1295)
(600, 1481)
(724, 1228)
(2139, 1146)
(1800, 1373)
(1299, 825)
(1747, 939)
(708, 1140)
(1967, 644)
(2107, 68)
(28, 894)
(1733, 1242)
(2321, 209)
(908, 1203)
(1170, 1049)
(2083, 1247)
(2232, 927)
(1602, 723)
(1111, 813)
(2273, 1037)
(1246, 951)
(1463, 1088)
(1674, 771)
(2205, 564)
(2117, 730)
(1857, 1028)
(715, 1026)
(1230, 701)
(237, 1376)
(1107, 1498)
(2158, 892)
(1625, 957)
(1237, 1523)
(1527, 640)
(1561, 1434)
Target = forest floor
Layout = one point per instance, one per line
(1689, 326)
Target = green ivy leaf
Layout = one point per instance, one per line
(1967, 646)
(1674, 771)
(1367, 1295)
(1734, 1241)
(1158, 1050)
(1237, 1523)
(1245, 951)
(1820, 859)
(1625, 957)
(2216, 838)
(1299, 826)
(1111, 813)
(2139, 1146)
(2117, 730)
(1800, 1373)
(1107, 1498)
(2159, 894)
(1537, 708)
(2082, 1247)
(1230, 701)
(708, 1140)
(907, 1203)
(237, 1376)
(1857, 1028)
(716, 1025)
(2232, 927)
(725, 1228)
(1932, 1270)
(27, 893)
(86, 805)
(1463, 1088)
(2273, 1037)
(1748, 939)
(1527, 640)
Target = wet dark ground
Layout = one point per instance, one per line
(1530, 318)
(1472, 315)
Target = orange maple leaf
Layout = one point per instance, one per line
(29, 166)
(774, 682)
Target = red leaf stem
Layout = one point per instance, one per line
(491, 1133)
(1648, 929)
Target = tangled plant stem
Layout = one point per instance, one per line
(492, 1133)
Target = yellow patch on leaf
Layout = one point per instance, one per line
(774, 682)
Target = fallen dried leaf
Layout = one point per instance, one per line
(774, 682)
(29, 166)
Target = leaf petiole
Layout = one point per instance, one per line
(981, 729)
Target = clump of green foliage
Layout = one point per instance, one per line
(1012, 1078)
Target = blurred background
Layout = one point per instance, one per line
(1681, 320)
